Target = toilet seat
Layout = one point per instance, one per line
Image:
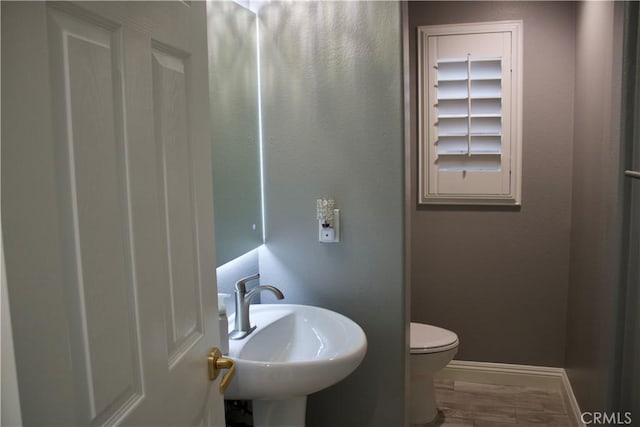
(426, 339)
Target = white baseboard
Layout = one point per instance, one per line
(522, 375)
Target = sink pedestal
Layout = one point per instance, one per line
(279, 412)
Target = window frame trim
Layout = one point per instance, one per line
(514, 198)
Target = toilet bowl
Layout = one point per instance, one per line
(432, 348)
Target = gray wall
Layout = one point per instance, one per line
(499, 277)
(595, 219)
(332, 114)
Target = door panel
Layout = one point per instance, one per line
(107, 207)
(170, 82)
(96, 206)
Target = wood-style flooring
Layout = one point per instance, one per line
(483, 405)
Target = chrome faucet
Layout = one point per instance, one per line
(242, 326)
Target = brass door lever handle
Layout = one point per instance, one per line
(216, 364)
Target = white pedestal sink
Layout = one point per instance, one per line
(295, 350)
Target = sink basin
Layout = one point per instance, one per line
(294, 351)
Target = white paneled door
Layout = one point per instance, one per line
(107, 212)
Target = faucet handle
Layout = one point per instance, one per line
(241, 284)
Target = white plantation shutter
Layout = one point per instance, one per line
(469, 113)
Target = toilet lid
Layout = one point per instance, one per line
(431, 339)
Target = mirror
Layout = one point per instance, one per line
(233, 94)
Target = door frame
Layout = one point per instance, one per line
(10, 413)
(627, 387)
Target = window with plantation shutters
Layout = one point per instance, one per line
(470, 113)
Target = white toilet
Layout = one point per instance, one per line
(431, 349)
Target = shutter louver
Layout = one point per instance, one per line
(469, 114)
